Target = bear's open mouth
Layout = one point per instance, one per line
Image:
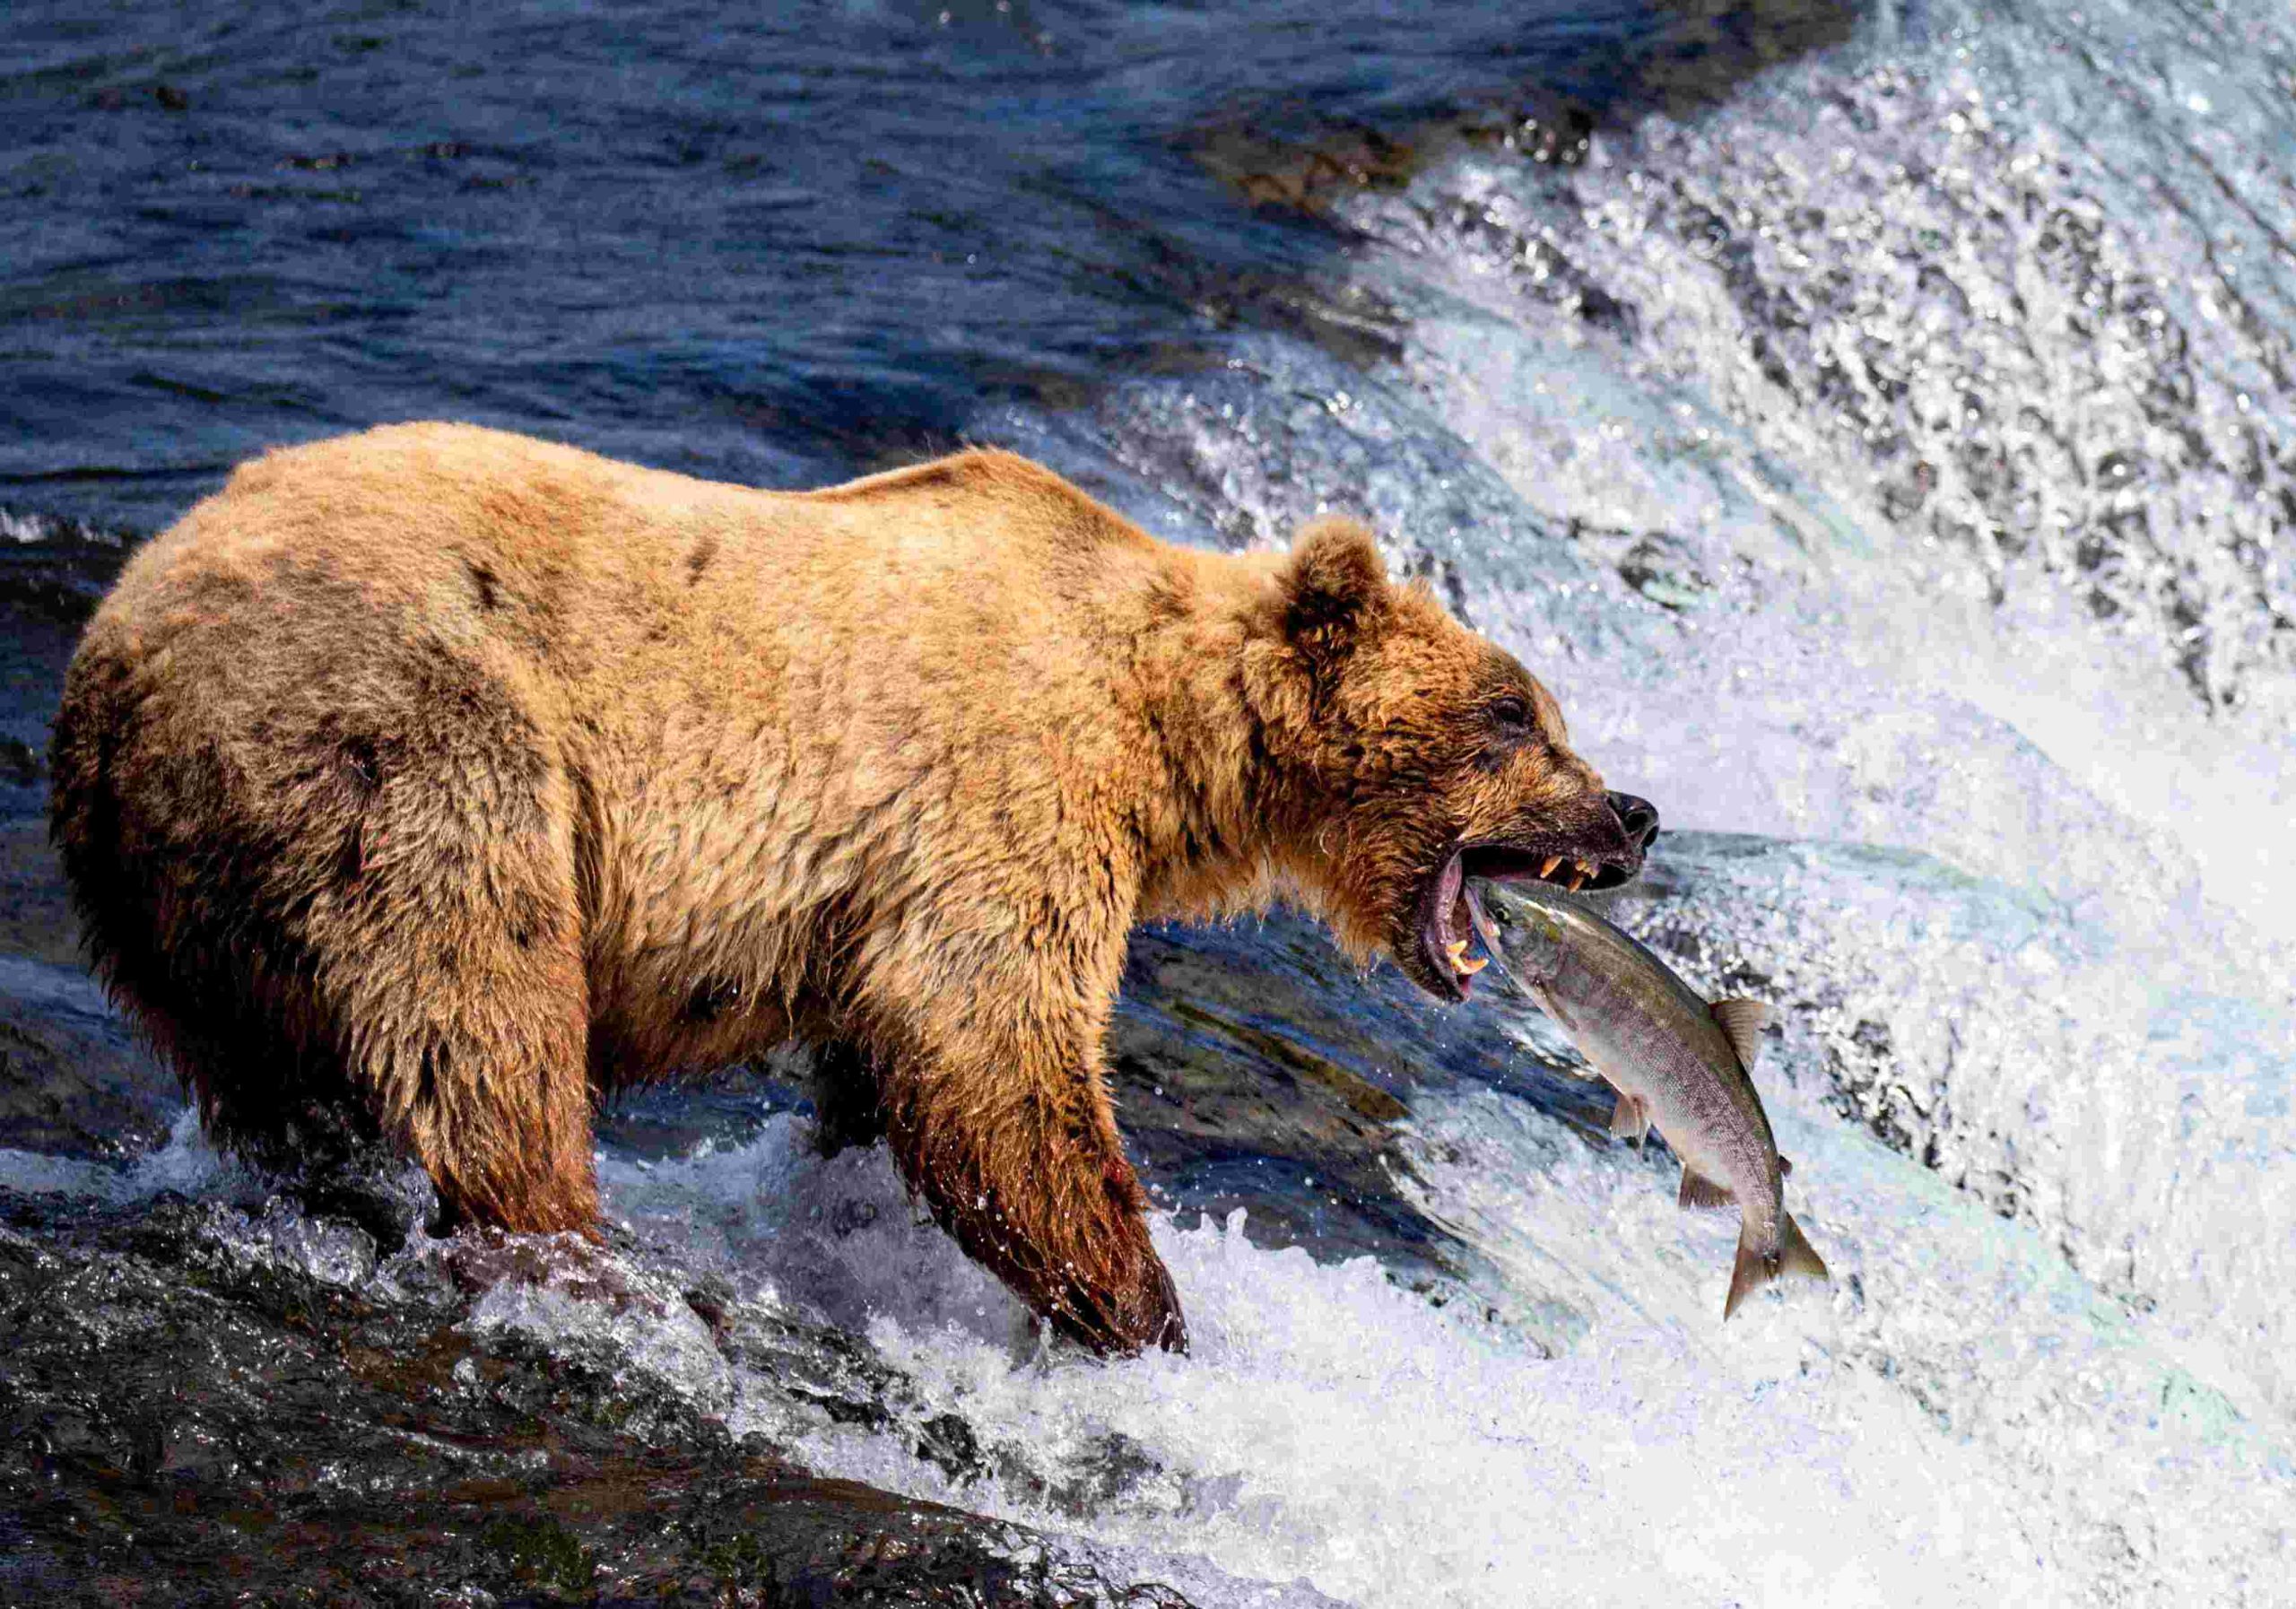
(1445, 928)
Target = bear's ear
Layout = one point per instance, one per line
(1334, 589)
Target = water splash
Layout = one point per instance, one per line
(1963, 1416)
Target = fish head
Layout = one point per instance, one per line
(1422, 755)
(1529, 938)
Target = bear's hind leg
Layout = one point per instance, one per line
(452, 966)
(477, 1061)
(490, 1094)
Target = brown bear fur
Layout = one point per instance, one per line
(451, 779)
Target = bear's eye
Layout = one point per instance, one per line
(1512, 711)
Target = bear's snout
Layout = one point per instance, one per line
(1638, 819)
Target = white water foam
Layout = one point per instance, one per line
(1960, 1419)
(1989, 339)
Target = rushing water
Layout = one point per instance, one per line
(1885, 460)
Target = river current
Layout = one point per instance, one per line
(1874, 429)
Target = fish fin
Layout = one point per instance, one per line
(1797, 1256)
(1699, 1191)
(1630, 1118)
(1753, 1270)
(1741, 1022)
(1785, 1167)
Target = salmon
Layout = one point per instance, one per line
(1675, 1062)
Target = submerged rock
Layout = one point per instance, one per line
(75, 1081)
(1256, 1067)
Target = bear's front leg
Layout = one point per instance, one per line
(1000, 1119)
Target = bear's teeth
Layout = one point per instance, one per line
(1457, 950)
(1577, 880)
(1552, 861)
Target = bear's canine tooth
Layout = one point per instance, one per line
(1457, 950)
(1552, 861)
(1578, 880)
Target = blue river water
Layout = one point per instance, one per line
(755, 241)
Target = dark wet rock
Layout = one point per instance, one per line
(53, 572)
(72, 1080)
(1256, 1067)
(36, 919)
(57, 569)
(727, 1106)
(1689, 53)
(190, 1415)
(1662, 569)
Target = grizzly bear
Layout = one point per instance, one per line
(434, 783)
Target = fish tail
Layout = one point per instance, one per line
(1796, 1255)
(1756, 1267)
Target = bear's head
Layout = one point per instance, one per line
(1408, 755)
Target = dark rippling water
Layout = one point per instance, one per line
(751, 241)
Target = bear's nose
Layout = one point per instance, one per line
(1637, 818)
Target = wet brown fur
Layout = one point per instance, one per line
(472, 777)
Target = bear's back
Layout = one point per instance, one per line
(596, 574)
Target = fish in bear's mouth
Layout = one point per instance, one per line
(1444, 930)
